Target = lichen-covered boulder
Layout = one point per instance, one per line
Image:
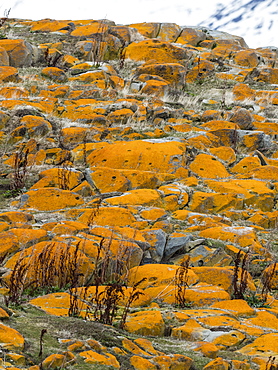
(164, 156)
(156, 51)
(207, 166)
(54, 73)
(50, 199)
(11, 339)
(173, 73)
(9, 74)
(20, 52)
(146, 323)
(264, 346)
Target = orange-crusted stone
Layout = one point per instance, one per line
(54, 73)
(20, 52)
(50, 199)
(146, 323)
(141, 155)
(264, 346)
(92, 357)
(171, 72)
(9, 74)
(156, 51)
(173, 361)
(237, 307)
(207, 166)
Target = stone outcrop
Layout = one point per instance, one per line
(138, 195)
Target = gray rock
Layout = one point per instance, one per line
(174, 244)
(157, 252)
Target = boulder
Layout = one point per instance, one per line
(20, 52)
(49, 199)
(146, 323)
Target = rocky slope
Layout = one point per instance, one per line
(138, 192)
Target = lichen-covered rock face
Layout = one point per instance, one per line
(138, 188)
(19, 51)
(156, 51)
(50, 199)
(154, 156)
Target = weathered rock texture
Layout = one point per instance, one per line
(144, 154)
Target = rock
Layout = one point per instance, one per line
(168, 32)
(54, 73)
(9, 74)
(176, 242)
(218, 203)
(17, 217)
(62, 178)
(229, 339)
(246, 58)
(237, 307)
(208, 166)
(172, 73)
(219, 364)
(220, 276)
(11, 339)
(148, 30)
(147, 346)
(190, 331)
(191, 36)
(144, 197)
(4, 57)
(156, 51)
(49, 199)
(224, 153)
(139, 363)
(130, 346)
(253, 192)
(92, 357)
(57, 304)
(107, 216)
(32, 126)
(207, 349)
(145, 323)
(243, 92)
(243, 118)
(196, 296)
(174, 361)
(157, 240)
(157, 275)
(165, 157)
(264, 346)
(244, 236)
(20, 52)
(58, 360)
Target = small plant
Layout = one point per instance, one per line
(267, 279)
(20, 170)
(181, 283)
(133, 296)
(255, 300)
(64, 177)
(98, 49)
(43, 332)
(270, 365)
(11, 193)
(240, 276)
(3, 22)
(122, 57)
(110, 288)
(54, 266)
(234, 140)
